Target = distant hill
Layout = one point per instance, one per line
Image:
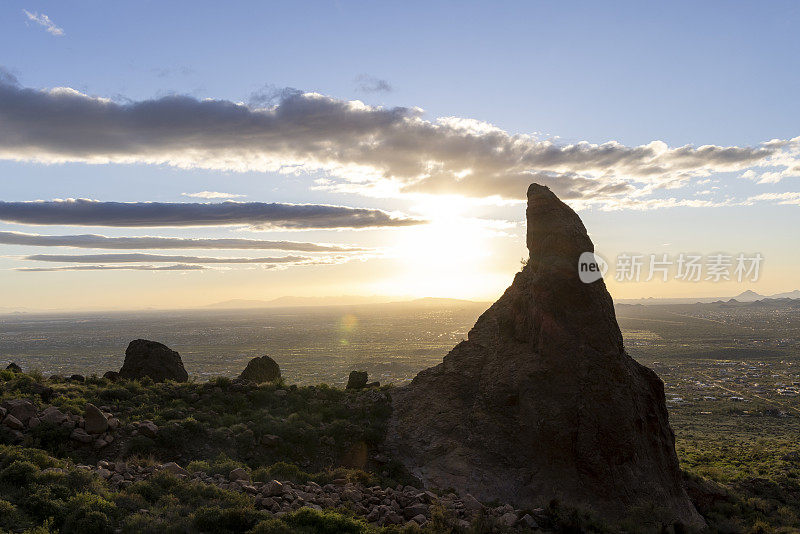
(434, 301)
(346, 300)
(745, 296)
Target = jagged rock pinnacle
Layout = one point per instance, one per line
(542, 401)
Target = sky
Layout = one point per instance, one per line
(179, 154)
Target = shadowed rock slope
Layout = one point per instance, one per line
(542, 400)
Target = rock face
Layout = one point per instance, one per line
(149, 358)
(542, 401)
(263, 369)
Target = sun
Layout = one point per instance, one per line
(446, 257)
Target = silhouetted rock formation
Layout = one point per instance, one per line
(152, 359)
(542, 400)
(263, 369)
(14, 368)
(356, 380)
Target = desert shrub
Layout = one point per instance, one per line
(221, 465)
(88, 514)
(281, 471)
(88, 522)
(216, 519)
(163, 523)
(141, 445)
(116, 393)
(51, 437)
(9, 515)
(326, 522)
(272, 526)
(130, 502)
(18, 473)
(46, 501)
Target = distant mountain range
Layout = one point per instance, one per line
(346, 300)
(746, 296)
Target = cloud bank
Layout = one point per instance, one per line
(209, 195)
(158, 258)
(259, 215)
(148, 242)
(366, 149)
(176, 267)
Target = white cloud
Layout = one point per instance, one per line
(212, 195)
(44, 20)
(788, 198)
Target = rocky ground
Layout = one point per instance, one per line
(379, 506)
(97, 427)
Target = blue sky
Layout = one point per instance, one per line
(712, 73)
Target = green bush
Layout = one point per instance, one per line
(9, 515)
(88, 514)
(272, 526)
(18, 473)
(326, 522)
(216, 519)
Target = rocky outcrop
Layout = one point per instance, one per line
(152, 359)
(97, 426)
(356, 380)
(259, 370)
(359, 380)
(542, 401)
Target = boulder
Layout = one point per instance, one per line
(113, 376)
(81, 436)
(45, 392)
(14, 368)
(357, 380)
(151, 359)
(20, 408)
(77, 378)
(263, 369)
(95, 422)
(53, 415)
(175, 469)
(272, 488)
(239, 474)
(541, 400)
(13, 423)
(148, 429)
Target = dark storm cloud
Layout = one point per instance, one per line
(84, 212)
(150, 242)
